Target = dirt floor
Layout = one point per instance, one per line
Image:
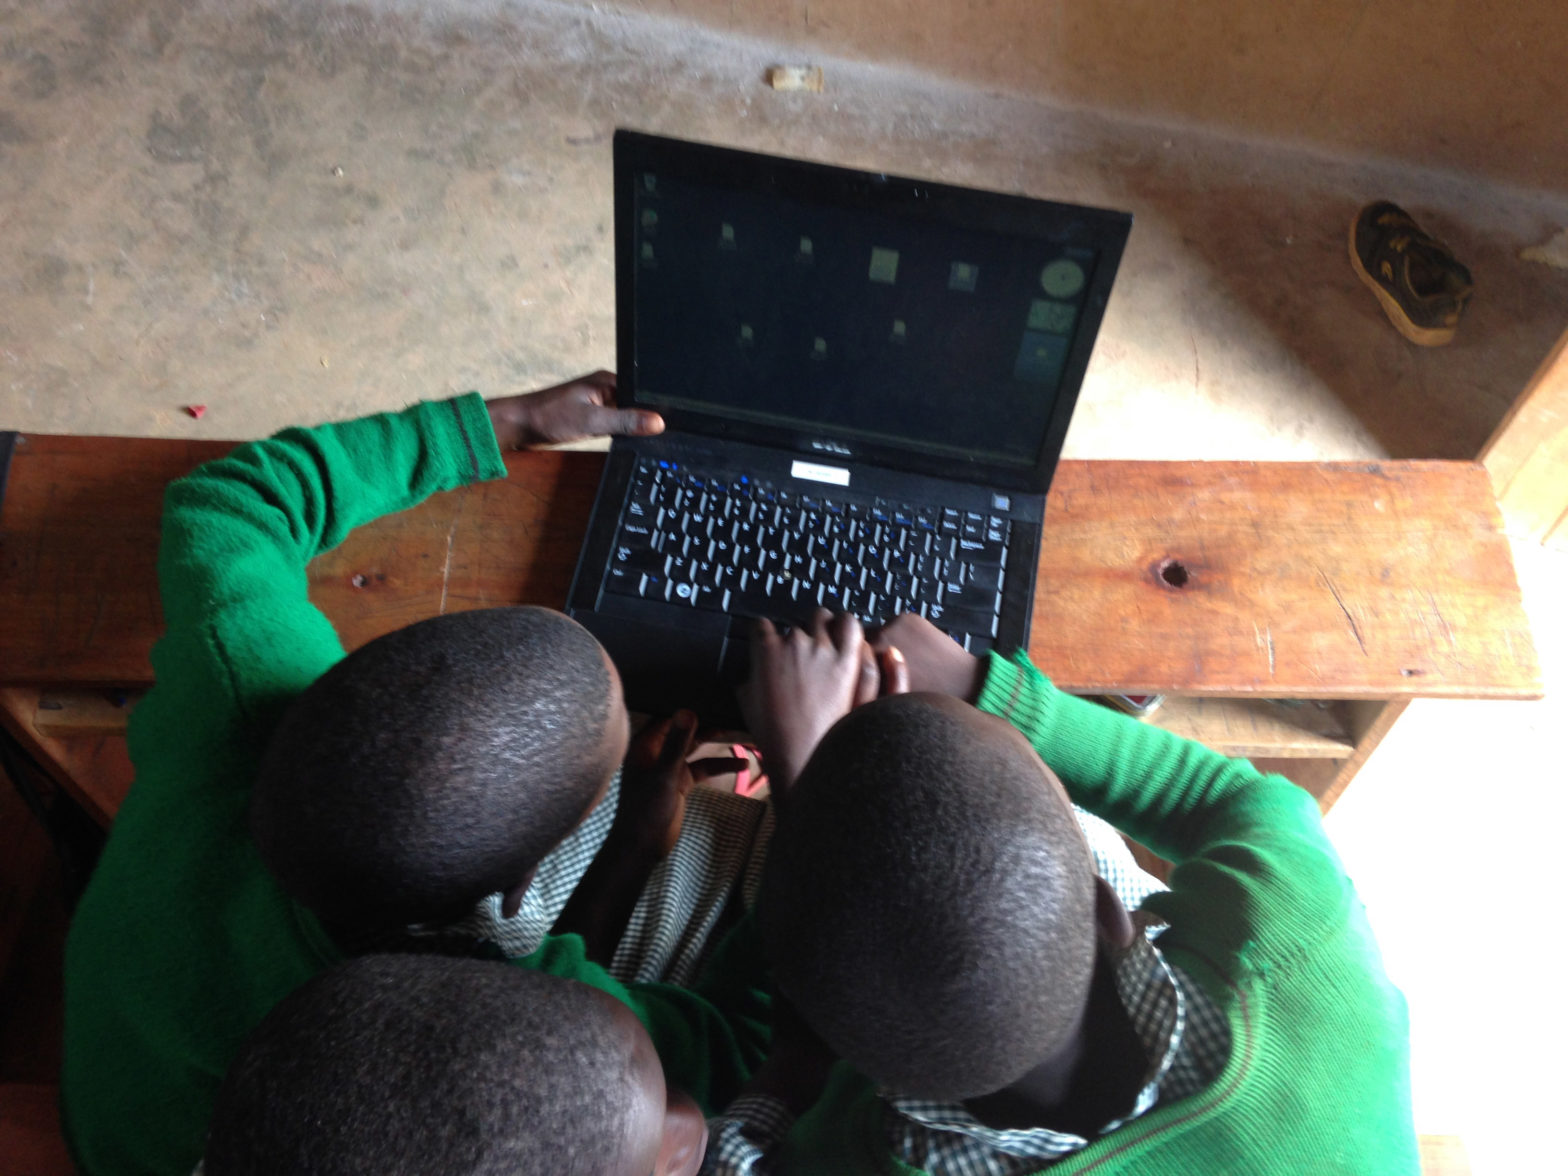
(297, 212)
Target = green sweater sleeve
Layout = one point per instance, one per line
(239, 532)
(1244, 844)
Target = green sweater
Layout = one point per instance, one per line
(182, 941)
(1261, 914)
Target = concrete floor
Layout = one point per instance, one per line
(296, 212)
(176, 230)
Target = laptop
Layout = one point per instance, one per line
(865, 380)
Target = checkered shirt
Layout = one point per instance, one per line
(1185, 1037)
(722, 846)
(557, 875)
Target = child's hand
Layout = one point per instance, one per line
(802, 684)
(655, 782)
(937, 665)
(654, 785)
(584, 407)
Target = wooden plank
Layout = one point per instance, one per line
(95, 771)
(1259, 727)
(1301, 580)
(1326, 779)
(78, 555)
(1527, 455)
(70, 714)
(495, 543)
(79, 530)
(1296, 580)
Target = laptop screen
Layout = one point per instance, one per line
(868, 321)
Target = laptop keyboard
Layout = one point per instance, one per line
(744, 546)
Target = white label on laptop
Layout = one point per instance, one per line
(811, 471)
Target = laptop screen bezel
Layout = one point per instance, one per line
(1102, 230)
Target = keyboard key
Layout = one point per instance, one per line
(625, 581)
(980, 551)
(980, 622)
(636, 559)
(982, 579)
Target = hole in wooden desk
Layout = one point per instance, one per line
(1173, 572)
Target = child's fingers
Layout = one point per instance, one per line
(895, 671)
(764, 636)
(869, 681)
(678, 742)
(848, 637)
(648, 749)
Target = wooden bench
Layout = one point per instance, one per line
(1290, 610)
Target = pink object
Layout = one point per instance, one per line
(196, 410)
(747, 783)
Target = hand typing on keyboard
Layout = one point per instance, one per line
(933, 662)
(803, 683)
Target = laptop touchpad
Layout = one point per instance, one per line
(664, 656)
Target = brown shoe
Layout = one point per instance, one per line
(1421, 286)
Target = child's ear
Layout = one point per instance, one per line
(1111, 920)
(685, 1136)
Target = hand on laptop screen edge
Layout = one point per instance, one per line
(573, 411)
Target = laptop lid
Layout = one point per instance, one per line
(855, 316)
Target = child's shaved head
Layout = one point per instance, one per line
(928, 902)
(438, 764)
(426, 1064)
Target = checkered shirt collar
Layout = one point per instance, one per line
(943, 1137)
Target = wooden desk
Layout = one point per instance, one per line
(1226, 584)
